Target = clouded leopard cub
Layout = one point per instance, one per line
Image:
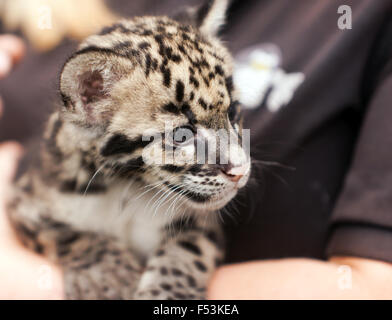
(119, 222)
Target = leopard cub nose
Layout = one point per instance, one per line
(234, 173)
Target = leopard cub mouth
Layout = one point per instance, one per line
(208, 201)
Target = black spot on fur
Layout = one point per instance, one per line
(206, 81)
(219, 70)
(204, 64)
(168, 53)
(182, 49)
(194, 81)
(212, 173)
(177, 272)
(191, 281)
(165, 51)
(147, 33)
(166, 75)
(176, 58)
(229, 84)
(163, 271)
(203, 103)
(186, 110)
(200, 266)
(179, 295)
(120, 143)
(171, 107)
(67, 102)
(144, 45)
(185, 37)
(166, 286)
(172, 168)
(180, 91)
(191, 247)
(68, 186)
(133, 53)
(155, 293)
(148, 64)
(154, 64)
(195, 168)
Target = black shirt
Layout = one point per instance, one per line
(321, 138)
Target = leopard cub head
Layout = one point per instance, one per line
(153, 100)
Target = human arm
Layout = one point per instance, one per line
(337, 278)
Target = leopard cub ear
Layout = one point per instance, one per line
(86, 82)
(208, 18)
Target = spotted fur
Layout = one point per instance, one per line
(122, 226)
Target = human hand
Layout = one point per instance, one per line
(23, 274)
(12, 50)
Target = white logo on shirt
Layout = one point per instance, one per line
(258, 77)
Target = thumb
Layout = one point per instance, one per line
(10, 153)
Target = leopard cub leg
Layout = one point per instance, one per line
(95, 266)
(182, 267)
(98, 267)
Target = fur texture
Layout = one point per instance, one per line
(121, 223)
